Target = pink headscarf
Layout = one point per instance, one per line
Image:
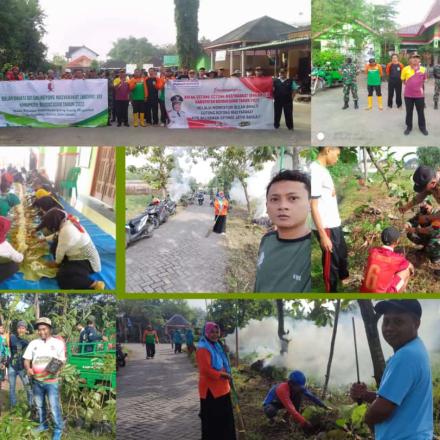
(209, 326)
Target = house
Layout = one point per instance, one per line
(83, 63)
(176, 322)
(75, 52)
(356, 39)
(247, 46)
(113, 65)
(425, 33)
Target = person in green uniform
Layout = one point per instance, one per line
(374, 82)
(285, 253)
(139, 93)
(7, 202)
(349, 81)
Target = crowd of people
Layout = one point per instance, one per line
(37, 359)
(410, 78)
(75, 256)
(145, 90)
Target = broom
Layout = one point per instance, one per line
(208, 233)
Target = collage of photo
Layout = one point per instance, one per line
(220, 222)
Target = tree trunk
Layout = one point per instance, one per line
(37, 305)
(378, 167)
(295, 158)
(246, 195)
(281, 332)
(332, 348)
(370, 322)
(365, 165)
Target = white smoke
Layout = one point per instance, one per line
(310, 345)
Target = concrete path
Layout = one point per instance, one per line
(369, 128)
(158, 398)
(179, 257)
(161, 136)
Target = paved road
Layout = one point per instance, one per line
(366, 128)
(158, 398)
(161, 136)
(179, 257)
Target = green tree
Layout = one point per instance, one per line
(59, 61)
(429, 156)
(187, 26)
(22, 31)
(132, 50)
(157, 168)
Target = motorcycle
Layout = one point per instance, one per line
(170, 205)
(201, 199)
(139, 227)
(158, 212)
(120, 356)
(325, 77)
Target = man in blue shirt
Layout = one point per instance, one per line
(402, 408)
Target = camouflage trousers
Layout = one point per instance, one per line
(354, 91)
(436, 89)
(433, 250)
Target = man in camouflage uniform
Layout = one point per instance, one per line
(437, 85)
(349, 80)
(427, 183)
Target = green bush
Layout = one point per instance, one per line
(335, 58)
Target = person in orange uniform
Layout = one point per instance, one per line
(214, 389)
(139, 94)
(221, 207)
(150, 340)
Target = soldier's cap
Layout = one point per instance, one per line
(176, 98)
(400, 305)
(21, 324)
(43, 321)
(390, 235)
(422, 176)
(415, 55)
(372, 60)
(258, 68)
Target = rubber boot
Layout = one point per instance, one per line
(142, 115)
(379, 102)
(370, 103)
(435, 105)
(345, 104)
(356, 105)
(136, 119)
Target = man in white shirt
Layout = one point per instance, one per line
(43, 360)
(326, 219)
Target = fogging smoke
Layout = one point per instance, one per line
(310, 345)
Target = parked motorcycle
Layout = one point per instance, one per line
(158, 212)
(200, 198)
(170, 205)
(120, 356)
(139, 227)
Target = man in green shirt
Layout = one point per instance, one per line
(285, 254)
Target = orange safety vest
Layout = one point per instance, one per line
(223, 209)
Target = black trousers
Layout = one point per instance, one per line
(152, 110)
(177, 348)
(138, 106)
(376, 89)
(217, 418)
(75, 275)
(419, 103)
(163, 113)
(285, 105)
(220, 224)
(334, 264)
(151, 350)
(395, 86)
(122, 112)
(7, 270)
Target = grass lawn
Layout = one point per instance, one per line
(135, 204)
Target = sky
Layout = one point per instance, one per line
(411, 12)
(96, 24)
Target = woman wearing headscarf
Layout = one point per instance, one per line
(75, 254)
(7, 202)
(9, 257)
(215, 392)
(45, 200)
(221, 207)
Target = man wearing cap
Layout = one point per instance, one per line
(284, 90)
(402, 408)
(349, 80)
(176, 115)
(374, 81)
(387, 271)
(91, 334)
(39, 354)
(414, 76)
(289, 395)
(17, 346)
